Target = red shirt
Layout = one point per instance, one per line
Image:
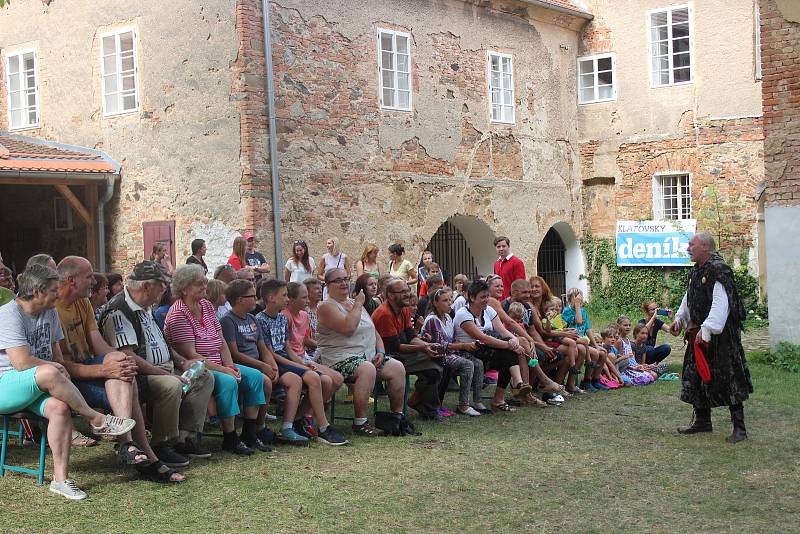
(181, 326)
(234, 262)
(509, 269)
(388, 324)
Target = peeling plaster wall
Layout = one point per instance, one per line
(366, 175)
(180, 151)
(711, 127)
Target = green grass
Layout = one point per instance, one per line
(603, 462)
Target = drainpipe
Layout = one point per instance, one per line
(101, 223)
(273, 138)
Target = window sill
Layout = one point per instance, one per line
(121, 113)
(24, 128)
(386, 108)
(604, 101)
(681, 84)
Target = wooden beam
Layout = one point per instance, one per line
(75, 203)
(92, 252)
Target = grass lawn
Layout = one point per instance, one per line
(603, 462)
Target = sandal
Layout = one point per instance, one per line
(159, 472)
(503, 407)
(367, 430)
(554, 388)
(521, 390)
(129, 454)
(532, 400)
(79, 440)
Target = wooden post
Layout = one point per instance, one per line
(86, 215)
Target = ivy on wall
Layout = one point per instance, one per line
(624, 288)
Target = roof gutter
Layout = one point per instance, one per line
(101, 221)
(548, 5)
(273, 138)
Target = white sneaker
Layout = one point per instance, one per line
(271, 417)
(470, 411)
(113, 426)
(68, 489)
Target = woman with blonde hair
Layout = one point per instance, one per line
(368, 264)
(332, 259)
(236, 259)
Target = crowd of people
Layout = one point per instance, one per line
(154, 357)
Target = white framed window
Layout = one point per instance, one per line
(672, 196)
(118, 67)
(23, 89)
(596, 78)
(394, 65)
(670, 46)
(757, 43)
(501, 87)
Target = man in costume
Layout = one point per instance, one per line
(712, 313)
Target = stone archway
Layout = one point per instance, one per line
(560, 260)
(463, 245)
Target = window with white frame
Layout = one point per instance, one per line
(394, 62)
(118, 67)
(23, 89)
(672, 196)
(670, 46)
(501, 87)
(596, 76)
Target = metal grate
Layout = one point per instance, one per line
(551, 264)
(451, 252)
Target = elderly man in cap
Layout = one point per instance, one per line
(128, 325)
(105, 377)
(254, 258)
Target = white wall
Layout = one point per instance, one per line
(573, 258)
(783, 267)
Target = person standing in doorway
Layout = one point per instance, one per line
(507, 266)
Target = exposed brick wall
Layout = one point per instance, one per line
(596, 38)
(780, 56)
(726, 154)
(3, 94)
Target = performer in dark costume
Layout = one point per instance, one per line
(712, 313)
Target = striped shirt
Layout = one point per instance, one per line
(181, 326)
(120, 333)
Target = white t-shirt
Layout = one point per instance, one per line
(298, 271)
(18, 329)
(119, 332)
(465, 315)
(458, 303)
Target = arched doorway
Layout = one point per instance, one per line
(551, 262)
(560, 260)
(463, 245)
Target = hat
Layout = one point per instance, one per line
(248, 236)
(149, 270)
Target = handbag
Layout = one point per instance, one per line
(395, 424)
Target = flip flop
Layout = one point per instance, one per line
(669, 377)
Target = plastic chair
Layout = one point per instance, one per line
(20, 435)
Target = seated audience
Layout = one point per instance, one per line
(320, 385)
(626, 360)
(193, 331)
(654, 353)
(198, 253)
(314, 289)
(114, 284)
(129, 325)
(348, 343)
(301, 265)
(433, 283)
(393, 321)
(497, 348)
(105, 377)
(609, 336)
(98, 295)
(41, 259)
(367, 284)
(433, 270)
(225, 273)
(33, 377)
(163, 306)
(6, 285)
(458, 357)
(576, 317)
(215, 293)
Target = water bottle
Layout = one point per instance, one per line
(192, 373)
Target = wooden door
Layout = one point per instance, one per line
(159, 232)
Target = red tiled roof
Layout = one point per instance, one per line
(31, 155)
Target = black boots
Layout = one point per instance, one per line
(701, 422)
(737, 418)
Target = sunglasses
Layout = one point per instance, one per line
(300, 242)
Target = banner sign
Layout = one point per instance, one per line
(654, 243)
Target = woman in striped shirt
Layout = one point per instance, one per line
(192, 329)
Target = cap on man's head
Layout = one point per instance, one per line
(248, 236)
(149, 270)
